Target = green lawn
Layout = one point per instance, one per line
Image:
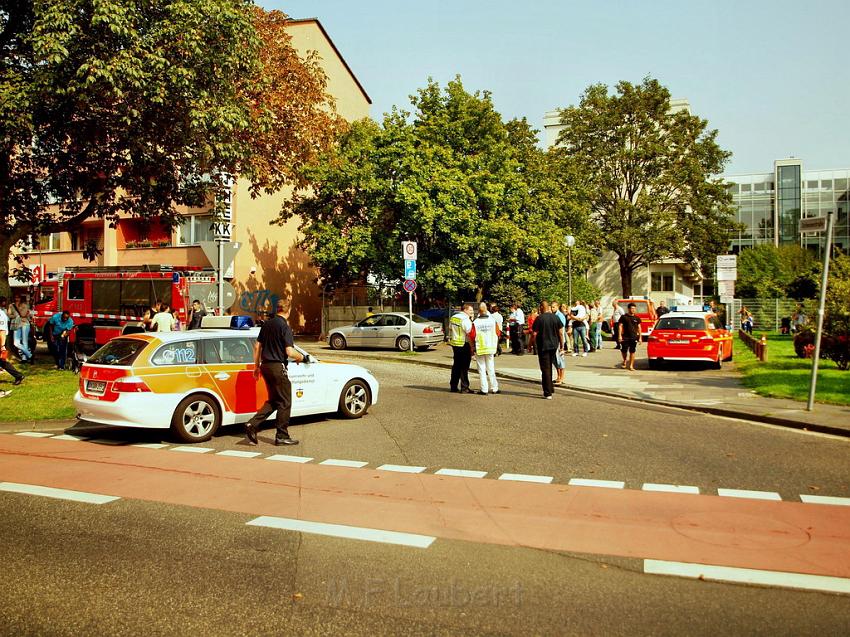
(786, 376)
(45, 394)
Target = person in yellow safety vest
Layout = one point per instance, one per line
(460, 326)
(485, 338)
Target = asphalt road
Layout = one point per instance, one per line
(132, 566)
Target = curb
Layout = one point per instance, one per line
(706, 409)
(36, 425)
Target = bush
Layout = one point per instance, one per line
(834, 347)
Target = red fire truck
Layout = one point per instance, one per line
(109, 298)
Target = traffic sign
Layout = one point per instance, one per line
(409, 285)
(726, 288)
(409, 269)
(408, 250)
(727, 267)
(812, 224)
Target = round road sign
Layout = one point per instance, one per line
(409, 285)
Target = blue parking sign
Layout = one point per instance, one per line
(409, 268)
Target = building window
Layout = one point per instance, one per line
(662, 281)
(46, 243)
(195, 229)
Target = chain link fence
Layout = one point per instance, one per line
(769, 314)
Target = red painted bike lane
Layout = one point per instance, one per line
(779, 536)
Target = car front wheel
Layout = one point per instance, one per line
(196, 418)
(354, 400)
(337, 341)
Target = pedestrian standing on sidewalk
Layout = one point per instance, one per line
(596, 327)
(485, 338)
(163, 321)
(196, 316)
(500, 324)
(460, 327)
(274, 347)
(615, 323)
(578, 318)
(568, 329)
(560, 361)
(20, 327)
(550, 338)
(4, 353)
(516, 320)
(629, 336)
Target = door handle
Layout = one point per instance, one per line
(222, 376)
(193, 373)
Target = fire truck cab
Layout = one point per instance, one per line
(109, 298)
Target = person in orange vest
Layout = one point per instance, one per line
(485, 336)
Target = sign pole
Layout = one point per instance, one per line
(220, 275)
(410, 318)
(821, 305)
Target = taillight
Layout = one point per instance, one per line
(130, 385)
(428, 330)
(706, 337)
(651, 337)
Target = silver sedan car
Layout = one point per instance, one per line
(388, 329)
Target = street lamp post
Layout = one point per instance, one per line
(570, 241)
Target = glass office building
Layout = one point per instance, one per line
(770, 205)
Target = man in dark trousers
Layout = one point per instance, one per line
(460, 326)
(629, 336)
(549, 340)
(274, 346)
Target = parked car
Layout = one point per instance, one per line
(390, 330)
(194, 382)
(689, 336)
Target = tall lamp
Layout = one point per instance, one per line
(570, 241)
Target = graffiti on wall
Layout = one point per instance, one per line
(258, 301)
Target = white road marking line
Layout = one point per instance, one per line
(587, 482)
(150, 445)
(333, 462)
(61, 494)
(69, 437)
(108, 441)
(193, 449)
(825, 499)
(239, 454)
(34, 434)
(669, 488)
(748, 576)
(349, 532)
(521, 477)
(461, 473)
(401, 468)
(282, 457)
(743, 493)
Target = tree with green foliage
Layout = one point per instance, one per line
(771, 272)
(132, 107)
(652, 176)
(837, 313)
(481, 199)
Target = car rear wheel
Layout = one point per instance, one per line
(196, 418)
(354, 400)
(403, 343)
(654, 363)
(718, 364)
(338, 341)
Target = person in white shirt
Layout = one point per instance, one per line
(4, 353)
(485, 339)
(163, 321)
(516, 322)
(494, 312)
(578, 316)
(615, 323)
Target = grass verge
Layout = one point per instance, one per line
(45, 394)
(786, 376)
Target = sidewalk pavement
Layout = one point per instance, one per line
(684, 385)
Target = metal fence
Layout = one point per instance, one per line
(768, 314)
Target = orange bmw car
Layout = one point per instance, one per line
(689, 336)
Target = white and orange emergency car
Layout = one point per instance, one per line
(196, 381)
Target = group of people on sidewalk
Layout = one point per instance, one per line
(584, 324)
(480, 336)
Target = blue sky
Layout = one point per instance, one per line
(772, 77)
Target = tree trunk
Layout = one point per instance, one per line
(6, 246)
(479, 295)
(626, 271)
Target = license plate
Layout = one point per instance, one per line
(677, 341)
(95, 386)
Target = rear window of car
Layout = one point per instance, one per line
(680, 323)
(421, 319)
(118, 351)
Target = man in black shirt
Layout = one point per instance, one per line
(197, 315)
(548, 340)
(629, 336)
(274, 346)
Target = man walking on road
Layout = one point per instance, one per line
(629, 336)
(485, 337)
(275, 345)
(460, 326)
(550, 338)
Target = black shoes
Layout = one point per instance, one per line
(482, 393)
(251, 435)
(467, 390)
(453, 390)
(285, 441)
(18, 381)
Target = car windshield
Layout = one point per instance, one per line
(119, 351)
(680, 323)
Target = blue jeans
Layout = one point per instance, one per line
(579, 335)
(22, 340)
(596, 336)
(61, 344)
